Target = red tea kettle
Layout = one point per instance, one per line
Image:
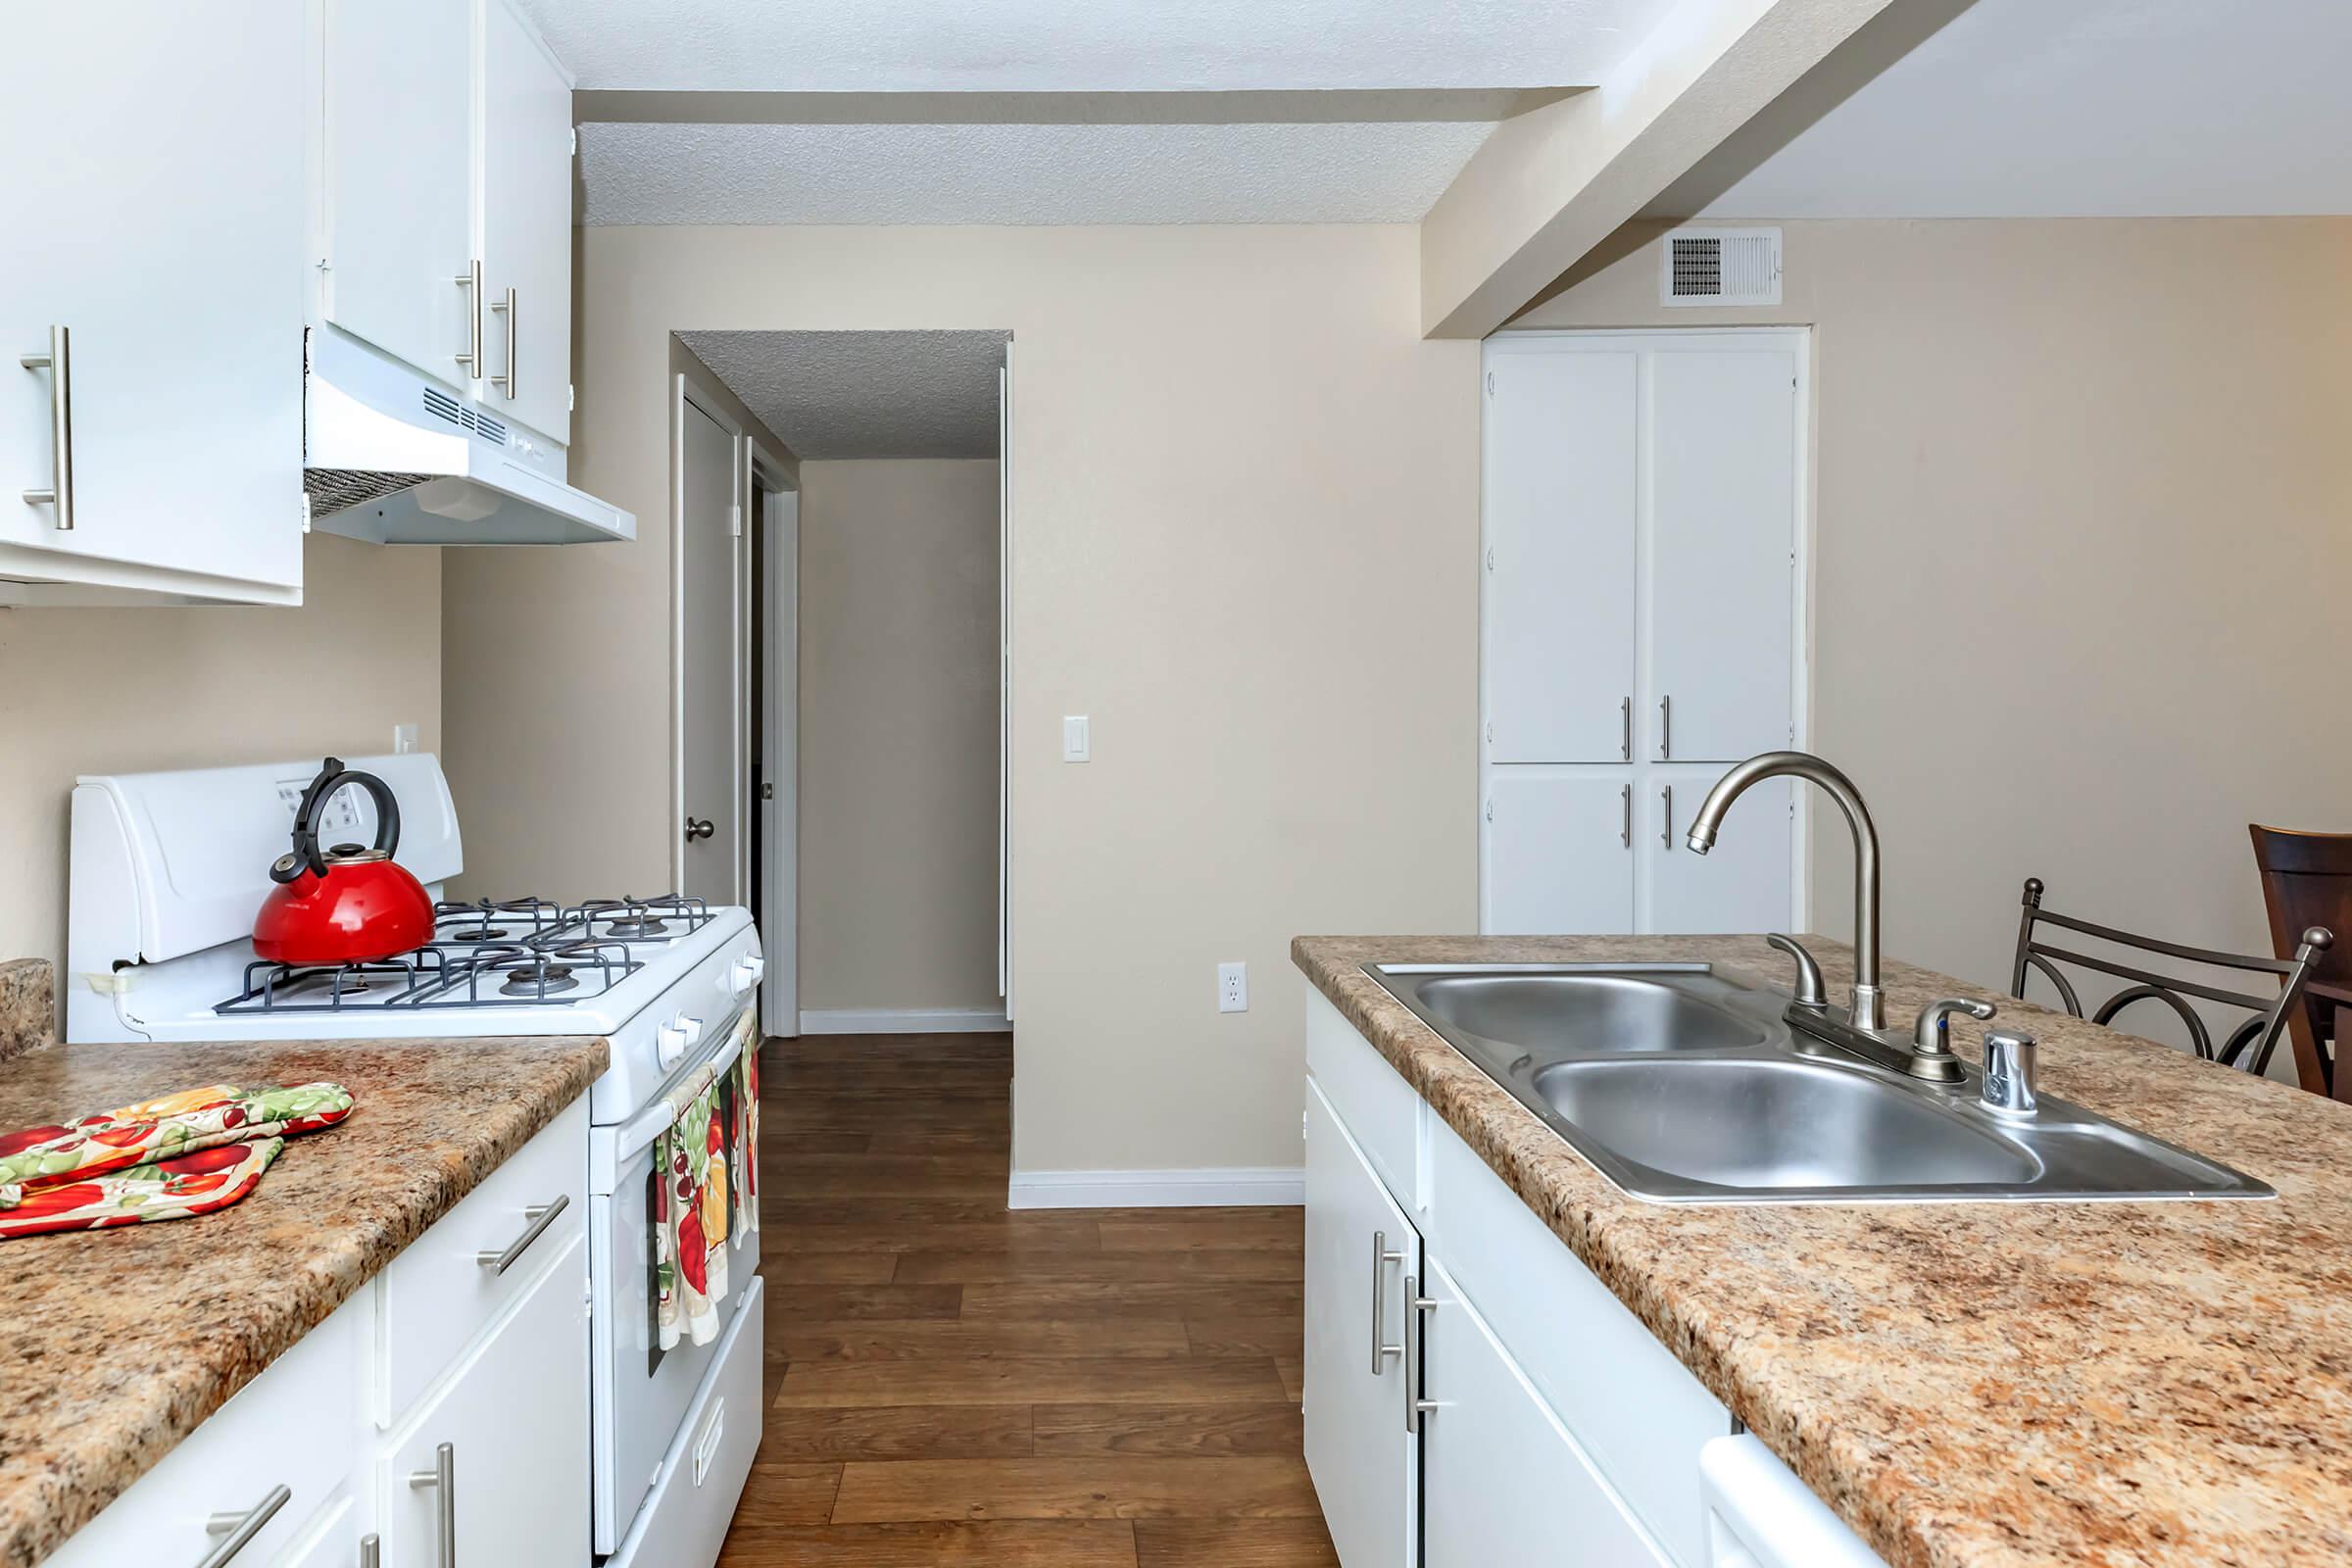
(345, 904)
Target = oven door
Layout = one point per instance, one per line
(640, 1394)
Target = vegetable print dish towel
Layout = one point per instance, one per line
(186, 1153)
(704, 1192)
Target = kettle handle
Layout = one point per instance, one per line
(332, 776)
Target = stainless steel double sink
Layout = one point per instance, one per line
(1682, 1083)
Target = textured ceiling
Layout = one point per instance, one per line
(1022, 174)
(864, 394)
(2091, 108)
(1090, 45)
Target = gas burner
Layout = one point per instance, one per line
(635, 927)
(495, 919)
(541, 979)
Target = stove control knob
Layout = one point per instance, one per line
(746, 973)
(669, 1044)
(693, 1028)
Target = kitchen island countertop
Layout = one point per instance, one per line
(1979, 1385)
(117, 1343)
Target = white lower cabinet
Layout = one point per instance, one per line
(299, 1462)
(496, 1463)
(1504, 1479)
(1360, 1250)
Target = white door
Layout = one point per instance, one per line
(1558, 853)
(1747, 882)
(711, 631)
(1560, 531)
(1359, 1250)
(1502, 1482)
(399, 181)
(527, 225)
(1004, 681)
(153, 186)
(779, 822)
(514, 1419)
(1722, 466)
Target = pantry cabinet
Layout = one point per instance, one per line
(1641, 611)
(151, 303)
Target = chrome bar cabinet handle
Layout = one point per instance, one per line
(1666, 816)
(1666, 728)
(1625, 728)
(505, 308)
(59, 363)
(371, 1551)
(1382, 1257)
(541, 1216)
(237, 1530)
(442, 1481)
(1416, 1405)
(1625, 802)
(471, 281)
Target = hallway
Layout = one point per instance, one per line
(948, 1382)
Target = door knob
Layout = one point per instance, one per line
(701, 828)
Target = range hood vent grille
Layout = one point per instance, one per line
(449, 411)
(332, 490)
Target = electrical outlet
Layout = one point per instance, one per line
(1232, 988)
(404, 739)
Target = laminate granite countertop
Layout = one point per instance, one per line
(1979, 1385)
(117, 1343)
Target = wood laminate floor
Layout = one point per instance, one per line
(951, 1382)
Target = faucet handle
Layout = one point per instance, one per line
(1930, 1032)
(1809, 992)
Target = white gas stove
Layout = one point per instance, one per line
(166, 873)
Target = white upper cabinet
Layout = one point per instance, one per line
(398, 180)
(1722, 548)
(527, 225)
(1560, 538)
(163, 258)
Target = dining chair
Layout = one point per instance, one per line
(2307, 880)
(2249, 1047)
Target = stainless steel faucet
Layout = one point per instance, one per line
(1860, 1026)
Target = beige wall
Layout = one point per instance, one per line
(899, 734)
(104, 691)
(2083, 574)
(1246, 513)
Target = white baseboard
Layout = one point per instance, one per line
(901, 1020)
(1211, 1186)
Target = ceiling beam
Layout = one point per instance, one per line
(1552, 183)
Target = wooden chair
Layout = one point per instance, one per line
(2249, 1045)
(2307, 880)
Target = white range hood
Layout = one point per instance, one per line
(393, 458)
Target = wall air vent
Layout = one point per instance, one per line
(1721, 267)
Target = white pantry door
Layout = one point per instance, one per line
(779, 808)
(710, 622)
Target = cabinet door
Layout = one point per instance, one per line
(1745, 883)
(527, 225)
(1359, 1250)
(1560, 524)
(1502, 1482)
(398, 171)
(1724, 507)
(1557, 852)
(514, 1415)
(156, 209)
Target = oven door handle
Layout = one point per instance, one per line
(659, 1118)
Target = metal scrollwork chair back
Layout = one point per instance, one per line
(2249, 1045)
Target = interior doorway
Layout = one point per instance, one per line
(876, 698)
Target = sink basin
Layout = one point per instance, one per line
(1775, 1126)
(1684, 1082)
(1612, 1012)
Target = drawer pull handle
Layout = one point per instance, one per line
(442, 1481)
(541, 1216)
(237, 1530)
(1382, 1257)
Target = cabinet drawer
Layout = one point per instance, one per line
(439, 1294)
(296, 1426)
(1378, 1107)
(1631, 1407)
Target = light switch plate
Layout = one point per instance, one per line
(1232, 988)
(1077, 744)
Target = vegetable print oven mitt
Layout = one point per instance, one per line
(186, 1154)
